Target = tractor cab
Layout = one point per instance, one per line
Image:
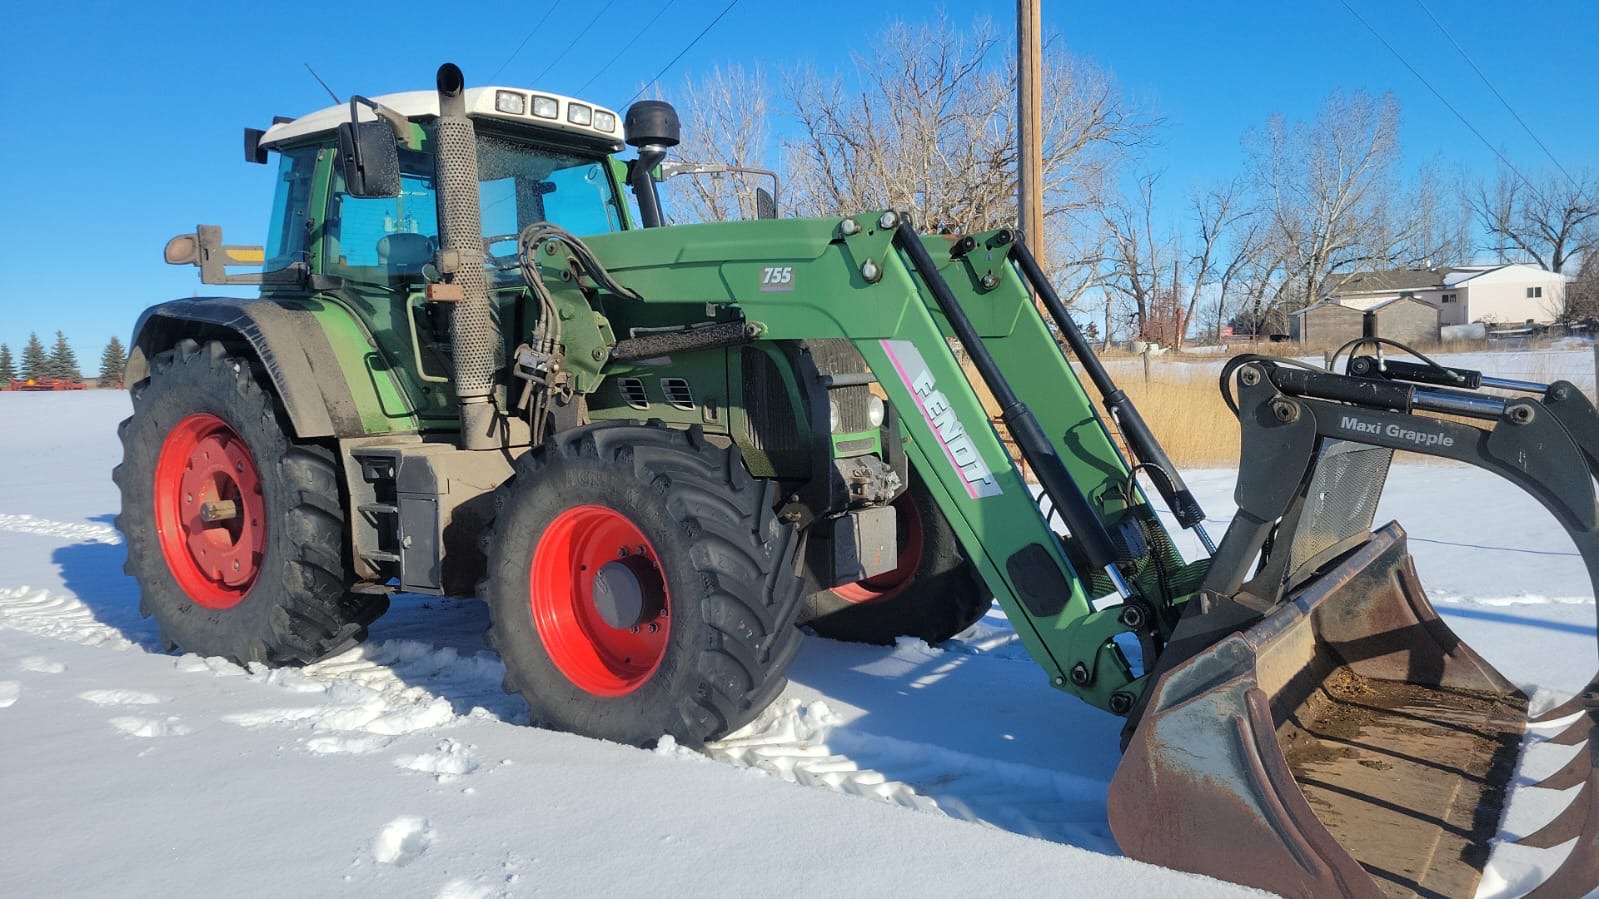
(541, 158)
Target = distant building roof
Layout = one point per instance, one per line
(1460, 273)
(1383, 305)
(1409, 280)
(1395, 280)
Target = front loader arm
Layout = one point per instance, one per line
(901, 298)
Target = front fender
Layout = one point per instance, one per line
(317, 354)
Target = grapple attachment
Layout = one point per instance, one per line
(1318, 730)
(1349, 744)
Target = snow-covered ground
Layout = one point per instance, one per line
(400, 767)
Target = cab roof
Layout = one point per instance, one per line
(498, 104)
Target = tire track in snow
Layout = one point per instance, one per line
(803, 744)
(64, 617)
(372, 694)
(362, 700)
(77, 532)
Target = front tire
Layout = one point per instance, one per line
(932, 594)
(234, 530)
(640, 584)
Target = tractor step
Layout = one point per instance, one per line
(423, 506)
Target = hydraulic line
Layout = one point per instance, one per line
(1140, 439)
(1062, 490)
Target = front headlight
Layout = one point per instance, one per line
(832, 416)
(510, 102)
(874, 410)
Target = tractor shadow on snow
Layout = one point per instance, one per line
(979, 730)
(93, 573)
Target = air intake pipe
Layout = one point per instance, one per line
(652, 127)
(475, 328)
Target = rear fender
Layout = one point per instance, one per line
(323, 365)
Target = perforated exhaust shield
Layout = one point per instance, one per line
(1347, 745)
(475, 331)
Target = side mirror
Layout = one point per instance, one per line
(765, 204)
(369, 159)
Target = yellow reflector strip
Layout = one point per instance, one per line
(245, 255)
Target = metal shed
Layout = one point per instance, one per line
(1405, 319)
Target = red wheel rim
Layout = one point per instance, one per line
(588, 556)
(890, 583)
(204, 466)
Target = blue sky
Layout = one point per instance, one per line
(126, 118)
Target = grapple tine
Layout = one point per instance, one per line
(1573, 773)
(1579, 874)
(1570, 707)
(1565, 825)
(1577, 732)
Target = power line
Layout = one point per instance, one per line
(1450, 106)
(574, 41)
(628, 46)
(685, 50)
(1524, 126)
(530, 32)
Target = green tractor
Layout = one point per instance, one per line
(481, 365)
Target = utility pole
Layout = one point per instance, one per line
(1029, 128)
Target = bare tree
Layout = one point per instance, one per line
(1441, 219)
(1326, 187)
(1138, 258)
(1233, 278)
(1216, 213)
(927, 124)
(724, 123)
(1549, 222)
(1582, 295)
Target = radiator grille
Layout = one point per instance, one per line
(839, 357)
(768, 416)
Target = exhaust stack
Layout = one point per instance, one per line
(475, 329)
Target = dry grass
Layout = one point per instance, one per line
(1189, 419)
(1182, 405)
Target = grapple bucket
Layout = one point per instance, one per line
(1347, 744)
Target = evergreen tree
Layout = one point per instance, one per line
(63, 361)
(8, 366)
(35, 364)
(113, 362)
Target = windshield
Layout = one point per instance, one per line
(389, 239)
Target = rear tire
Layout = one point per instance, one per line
(932, 595)
(266, 584)
(640, 584)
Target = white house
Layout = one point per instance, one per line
(1501, 294)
